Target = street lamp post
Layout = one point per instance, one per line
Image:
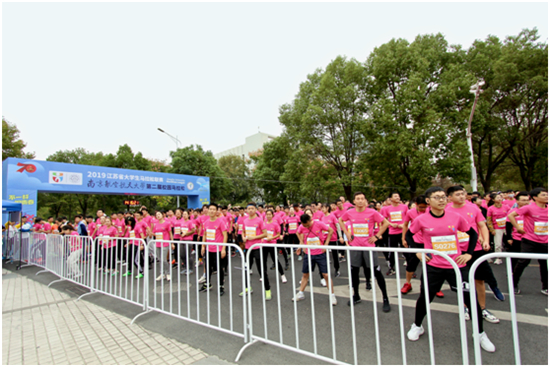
(476, 89)
(178, 142)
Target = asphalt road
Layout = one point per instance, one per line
(173, 298)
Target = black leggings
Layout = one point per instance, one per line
(259, 263)
(396, 240)
(533, 248)
(436, 277)
(212, 262)
(274, 256)
(335, 256)
(377, 274)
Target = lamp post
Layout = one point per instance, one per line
(178, 142)
(475, 89)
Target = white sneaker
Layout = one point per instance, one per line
(250, 272)
(498, 262)
(260, 279)
(299, 297)
(202, 279)
(333, 299)
(323, 282)
(415, 332)
(466, 314)
(160, 277)
(486, 343)
(168, 277)
(283, 278)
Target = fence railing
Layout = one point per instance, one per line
(158, 277)
(515, 336)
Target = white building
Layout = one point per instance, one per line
(252, 143)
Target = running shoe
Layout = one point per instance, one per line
(233, 254)
(283, 278)
(544, 291)
(300, 258)
(407, 287)
(498, 262)
(127, 273)
(250, 272)
(440, 294)
(466, 314)
(386, 307)
(369, 286)
(333, 299)
(516, 290)
(337, 274)
(222, 290)
(160, 277)
(299, 297)
(415, 332)
(139, 276)
(268, 295)
(390, 272)
(486, 343)
(323, 282)
(272, 267)
(356, 300)
(405, 263)
(342, 259)
(488, 316)
(202, 279)
(114, 273)
(247, 290)
(205, 287)
(498, 294)
(168, 277)
(286, 266)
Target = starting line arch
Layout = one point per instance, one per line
(22, 179)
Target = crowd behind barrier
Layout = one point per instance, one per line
(155, 263)
(94, 264)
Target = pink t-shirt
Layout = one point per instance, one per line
(395, 215)
(535, 222)
(313, 236)
(473, 215)
(201, 220)
(509, 203)
(214, 233)
(347, 205)
(441, 234)
(318, 215)
(74, 241)
(498, 216)
(121, 226)
(519, 219)
(161, 232)
(91, 228)
(273, 229)
(47, 227)
(37, 227)
(147, 220)
(362, 225)
(132, 234)
(253, 227)
(109, 235)
(187, 226)
(331, 221)
(338, 213)
(240, 223)
(410, 217)
(293, 223)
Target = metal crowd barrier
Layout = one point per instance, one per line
(183, 299)
(508, 256)
(278, 339)
(37, 250)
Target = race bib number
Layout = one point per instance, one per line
(501, 222)
(120, 228)
(269, 233)
(240, 228)
(396, 217)
(361, 229)
(184, 230)
(292, 226)
(541, 228)
(463, 237)
(132, 234)
(211, 235)
(177, 230)
(105, 240)
(158, 236)
(446, 244)
(520, 224)
(250, 231)
(313, 241)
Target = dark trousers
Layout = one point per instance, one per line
(213, 258)
(436, 277)
(514, 247)
(275, 257)
(261, 262)
(532, 248)
(396, 240)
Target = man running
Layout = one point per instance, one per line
(395, 214)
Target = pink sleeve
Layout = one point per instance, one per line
(415, 227)
(345, 217)
(378, 218)
(463, 225)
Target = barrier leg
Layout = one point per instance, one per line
(243, 348)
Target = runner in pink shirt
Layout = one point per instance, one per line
(215, 231)
(109, 234)
(330, 220)
(253, 232)
(484, 273)
(395, 214)
(513, 236)
(310, 233)
(412, 260)
(362, 221)
(535, 235)
(162, 231)
(273, 231)
(75, 250)
(132, 248)
(496, 220)
(439, 229)
(186, 229)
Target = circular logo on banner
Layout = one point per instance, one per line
(190, 186)
(74, 178)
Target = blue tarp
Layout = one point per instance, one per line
(10, 206)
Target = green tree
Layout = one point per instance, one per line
(193, 160)
(236, 168)
(12, 145)
(125, 158)
(416, 125)
(511, 120)
(326, 115)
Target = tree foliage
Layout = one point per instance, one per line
(12, 145)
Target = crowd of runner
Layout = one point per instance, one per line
(462, 225)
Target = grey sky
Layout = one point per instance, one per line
(98, 75)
